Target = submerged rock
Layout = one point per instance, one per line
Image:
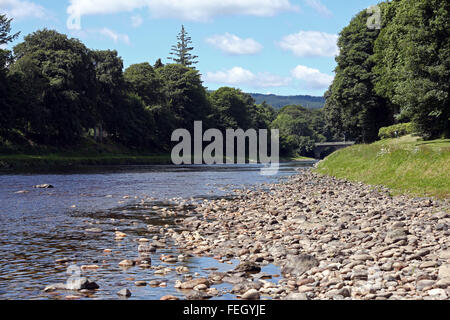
(124, 293)
(82, 284)
(55, 287)
(74, 285)
(44, 186)
(248, 266)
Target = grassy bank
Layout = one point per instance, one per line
(294, 159)
(34, 163)
(30, 157)
(406, 165)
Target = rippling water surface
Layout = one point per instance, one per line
(39, 226)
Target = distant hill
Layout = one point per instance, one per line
(279, 102)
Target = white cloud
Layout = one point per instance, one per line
(319, 7)
(18, 9)
(311, 44)
(239, 76)
(194, 10)
(232, 44)
(313, 78)
(136, 21)
(4, 46)
(89, 7)
(116, 37)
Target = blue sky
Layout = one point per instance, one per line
(284, 47)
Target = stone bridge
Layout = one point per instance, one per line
(320, 148)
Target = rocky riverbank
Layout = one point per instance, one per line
(332, 239)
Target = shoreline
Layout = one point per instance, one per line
(52, 163)
(332, 239)
(55, 163)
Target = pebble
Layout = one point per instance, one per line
(169, 298)
(330, 238)
(191, 284)
(140, 283)
(252, 294)
(124, 293)
(126, 263)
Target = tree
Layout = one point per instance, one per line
(413, 64)
(263, 115)
(110, 89)
(134, 123)
(5, 30)
(352, 105)
(297, 135)
(233, 109)
(181, 51)
(184, 95)
(7, 110)
(158, 64)
(62, 85)
(145, 82)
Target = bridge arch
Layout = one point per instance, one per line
(320, 148)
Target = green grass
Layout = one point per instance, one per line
(405, 165)
(36, 158)
(302, 159)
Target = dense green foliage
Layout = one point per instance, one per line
(56, 95)
(54, 91)
(396, 131)
(279, 102)
(400, 73)
(6, 100)
(58, 92)
(353, 109)
(300, 129)
(412, 55)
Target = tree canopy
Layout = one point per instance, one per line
(5, 30)
(55, 91)
(412, 56)
(397, 74)
(353, 108)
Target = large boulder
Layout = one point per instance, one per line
(248, 266)
(396, 235)
(298, 265)
(73, 285)
(124, 293)
(82, 284)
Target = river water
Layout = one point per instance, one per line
(39, 226)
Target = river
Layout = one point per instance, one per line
(39, 226)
